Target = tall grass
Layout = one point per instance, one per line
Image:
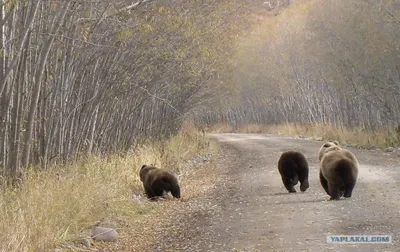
(380, 138)
(62, 203)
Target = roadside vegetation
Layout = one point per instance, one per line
(59, 205)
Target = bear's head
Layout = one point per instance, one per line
(144, 170)
(327, 147)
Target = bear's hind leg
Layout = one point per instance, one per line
(288, 185)
(348, 189)
(335, 191)
(324, 183)
(304, 185)
(295, 180)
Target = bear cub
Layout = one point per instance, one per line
(293, 167)
(158, 182)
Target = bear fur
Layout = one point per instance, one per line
(338, 170)
(158, 182)
(293, 167)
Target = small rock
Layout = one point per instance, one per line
(389, 149)
(104, 234)
(87, 242)
(57, 250)
(138, 199)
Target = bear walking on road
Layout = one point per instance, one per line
(338, 170)
(293, 167)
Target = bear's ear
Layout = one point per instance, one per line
(143, 166)
(336, 142)
(327, 145)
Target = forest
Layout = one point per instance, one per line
(100, 77)
(327, 62)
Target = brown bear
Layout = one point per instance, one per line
(338, 170)
(158, 182)
(293, 167)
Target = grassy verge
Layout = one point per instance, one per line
(62, 203)
(357, 137)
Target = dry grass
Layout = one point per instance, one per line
(61, 204)
(380, 138)
(221, 128)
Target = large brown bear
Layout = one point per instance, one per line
(338, 170)
(293, 167)
(158, 182)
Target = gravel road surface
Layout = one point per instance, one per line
(249, 209)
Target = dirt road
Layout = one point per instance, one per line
(250, 210)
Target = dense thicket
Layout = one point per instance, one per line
(102, 76)
(333, 61)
